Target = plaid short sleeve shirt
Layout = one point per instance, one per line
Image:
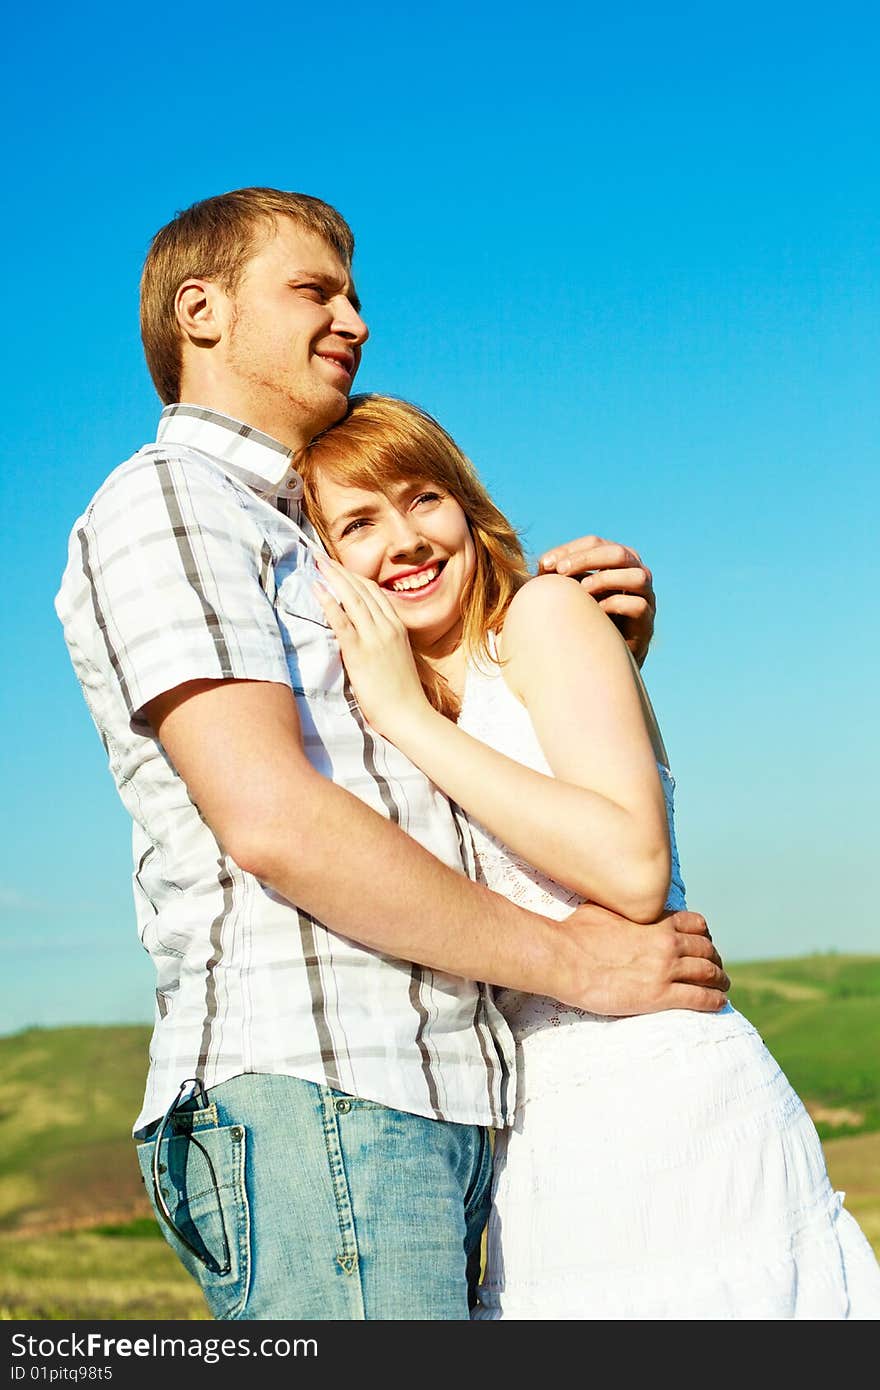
(191, 562)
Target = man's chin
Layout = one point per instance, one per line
(334, 408)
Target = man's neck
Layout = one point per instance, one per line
(277, 424)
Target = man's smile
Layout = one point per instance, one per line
(339, 358)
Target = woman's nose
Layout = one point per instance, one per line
(407, 539)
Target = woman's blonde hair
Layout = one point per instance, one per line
(382, 441)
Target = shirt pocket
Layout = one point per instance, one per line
(310, 647)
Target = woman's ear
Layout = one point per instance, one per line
(198, 308)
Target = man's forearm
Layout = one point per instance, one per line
(238, 749)
(368, 880)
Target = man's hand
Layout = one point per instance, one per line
(617, 579)
(631, 969)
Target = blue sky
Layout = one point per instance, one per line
(628, 256)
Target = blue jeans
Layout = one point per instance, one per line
(333, 1207)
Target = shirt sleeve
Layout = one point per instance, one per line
(176, 581)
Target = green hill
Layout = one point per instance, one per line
(77, 1239)
(68, 1099)
(820, 1017)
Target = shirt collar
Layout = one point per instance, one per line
(256, 458)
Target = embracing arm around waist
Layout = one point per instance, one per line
(598, 825)
(237, 745)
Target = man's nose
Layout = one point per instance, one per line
(347, 322)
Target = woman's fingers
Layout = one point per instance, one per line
(349, 594)
(355, 590)
(379, 600)
(337, 618)
(374, 645)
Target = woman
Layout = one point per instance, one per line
(661, 1167)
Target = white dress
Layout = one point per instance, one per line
(660, 1167)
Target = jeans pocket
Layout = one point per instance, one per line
(210, 1209)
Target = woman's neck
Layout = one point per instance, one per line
(451, 665)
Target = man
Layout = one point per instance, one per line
(314, 1134)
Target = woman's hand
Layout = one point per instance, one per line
(375, 648)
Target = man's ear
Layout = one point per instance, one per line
(199, 309)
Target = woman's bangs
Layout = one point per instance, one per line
(377, 466)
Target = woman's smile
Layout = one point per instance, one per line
(416, 584)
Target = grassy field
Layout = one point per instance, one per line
(77, 1241)
(82, 1276)
(820, 1017)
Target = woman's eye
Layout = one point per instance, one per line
(353, 526)
(427, 497)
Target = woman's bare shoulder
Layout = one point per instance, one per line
(553, 598)
(547, 612)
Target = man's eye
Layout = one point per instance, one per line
(317, 290)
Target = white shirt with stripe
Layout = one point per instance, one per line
(190, 563)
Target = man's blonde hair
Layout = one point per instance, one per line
(381, 441)
(214, 240)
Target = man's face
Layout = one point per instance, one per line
(294, 336)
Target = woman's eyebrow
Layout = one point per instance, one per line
(365, 509)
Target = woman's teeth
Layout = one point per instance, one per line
(416, 581)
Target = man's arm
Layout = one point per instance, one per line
(617, 579)
(238, 748)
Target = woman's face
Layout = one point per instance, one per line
(414, 541)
